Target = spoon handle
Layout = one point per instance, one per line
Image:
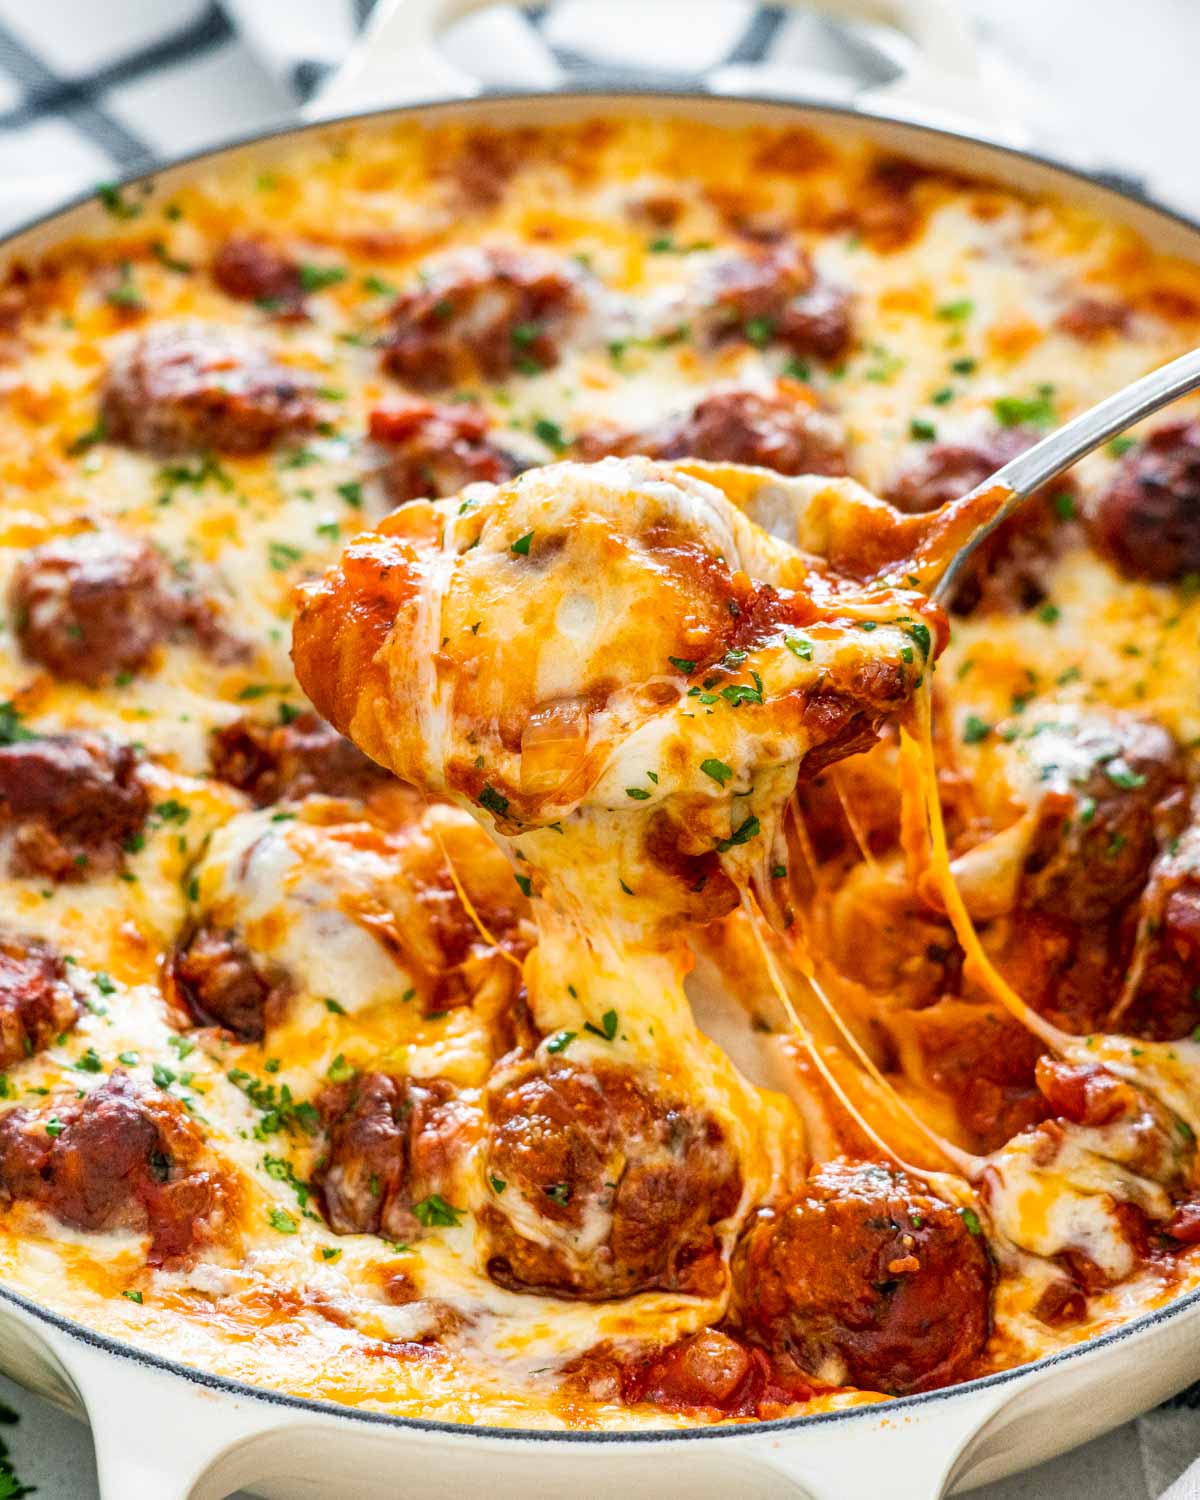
(1067, 444)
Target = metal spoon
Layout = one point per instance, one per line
(1038, 465)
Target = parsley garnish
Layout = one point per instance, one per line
(282, 1221)
(685, 666)
(435, 1213)
(638, 793)
(750, 829)
(560, 1041)
(798, 646)
(975, 730)
(490, 798)
(12, 731)
(521, 545)
(607, 1029)
(717, 769)
(317, 278)
(1017, 411)
(551, 434)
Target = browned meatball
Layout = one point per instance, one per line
(736, 426)
(90, 606)
(218, 981)
(483, 312)
(1148, 519)
(180, 387)
(73, 801)
(1167, 1003)
(866, 1279)
(436, 450)
(1088, 319)
(36, 1001)
(773, 295)
(126, 1156)
(392, 1143)
(981, 1059)
(947, 471)
(251, 268)
(1012, 568)
(277, 762)
(1117, 792)
(626, 1185)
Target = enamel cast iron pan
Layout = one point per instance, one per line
(166, 1432)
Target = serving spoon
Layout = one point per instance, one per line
(1023, 476)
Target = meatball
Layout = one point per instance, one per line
(736, 426)
(1011, 568)
(1088, 319)
(125, 1156)
(983, 1061)
(625, 1186)
(251, 268)
(1116, 789)
(482, 312)
(185, 386)
(436, 450)
(36, 1001)
(1148, 519)
(947, 471)
(773, 295)
(392, 1144)
(217, 980)
(91, 606)
(1166, 1005)
(277, 762)
(866, 1279)
(72, 801)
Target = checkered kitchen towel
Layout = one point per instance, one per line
(95, 89)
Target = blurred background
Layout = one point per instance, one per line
(92, 90)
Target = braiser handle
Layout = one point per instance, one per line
(397, 61)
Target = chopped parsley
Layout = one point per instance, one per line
(521, 545)
(638, 793)
(560, 1041)
(558, 1192)
(110, 196)
(975, 730)
(971, 1219)
(956, 312)
(607, 1029)
(435, 1213)
(282, 1221)
(12, 731)
(133, 1297)
(339, 1070)
(551, 434)
(1020, 411)
(490, 798)
(1120, 446)
(351, 493)
(798, 646)
(333, 1007)
(685, 666)
(749, 829)
(717, 769)
(281, 555)
(759, 331)
(89, 1062)
(317, 278)
(525, 884)
(922, 431)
